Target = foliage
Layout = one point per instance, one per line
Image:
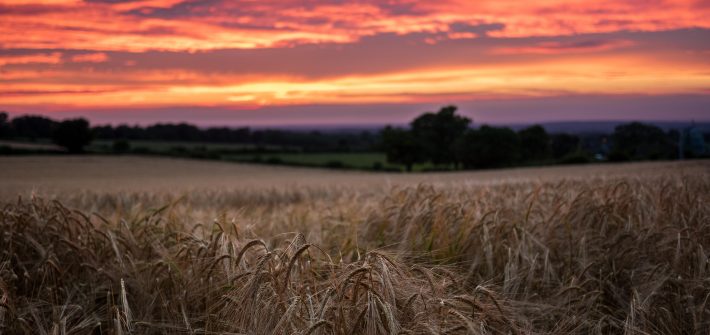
(577, 157)
(33, 127)
(308, 141)
(73, 135)
(4, 125)
(564, 144)
(641, 141)
(488, 147)
(433, 142)
(437, 133)
(402, 147)
(534, 144)
(121, 146)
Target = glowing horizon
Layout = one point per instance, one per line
(146, 57)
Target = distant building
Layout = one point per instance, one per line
(691, 143)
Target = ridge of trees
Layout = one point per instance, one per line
(446, 140)
(443, 139)
(32, 127)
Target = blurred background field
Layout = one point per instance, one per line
(59, 175)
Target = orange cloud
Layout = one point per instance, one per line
(552, 47)
(172, 25)
(43, 58)
(607, 75)
(157, 53)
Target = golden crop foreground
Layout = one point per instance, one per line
(602, 255)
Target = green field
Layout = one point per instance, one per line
(356, 160)
(231, 152)
(237, 152)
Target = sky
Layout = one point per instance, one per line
(319, 62)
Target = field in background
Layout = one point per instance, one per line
(232, 152)
(356, 160)
(62, 175)
(149, 245)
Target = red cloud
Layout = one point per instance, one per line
(173, 25)
(160, 53)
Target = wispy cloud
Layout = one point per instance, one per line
(34, 58)
(252, 54)
(216, 24)
(554, 47)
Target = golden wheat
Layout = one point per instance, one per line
(599, 255)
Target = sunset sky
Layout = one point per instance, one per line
(366, 62)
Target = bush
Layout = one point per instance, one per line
(377, 166)
(121, 146)
(142, 150)
(618, 156)
(335, 164)
(578, 157)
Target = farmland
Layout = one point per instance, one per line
(124, 244)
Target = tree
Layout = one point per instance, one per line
(4, 125)
(640, 141)
(564, 144)
(488, 147)
(534, 143)
(33, 127)
(401, 147)
(437, 133)
(73, 135)
(173, 132)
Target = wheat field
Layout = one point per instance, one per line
(131, 245)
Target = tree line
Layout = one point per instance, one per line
(443, 139)
(447, 140)
(75, 134)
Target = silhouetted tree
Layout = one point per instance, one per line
(564, 144)
(401, 147)
(174, 132)
(437, 133)
(226, 135)
(72, 134)
(488, 147)
(4, 125)
(33, 127)
(640, 141)
(267, 139)
(534, 143)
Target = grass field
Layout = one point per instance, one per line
(119, 245)
(235, 153)
(30, 145)
(364, 160)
